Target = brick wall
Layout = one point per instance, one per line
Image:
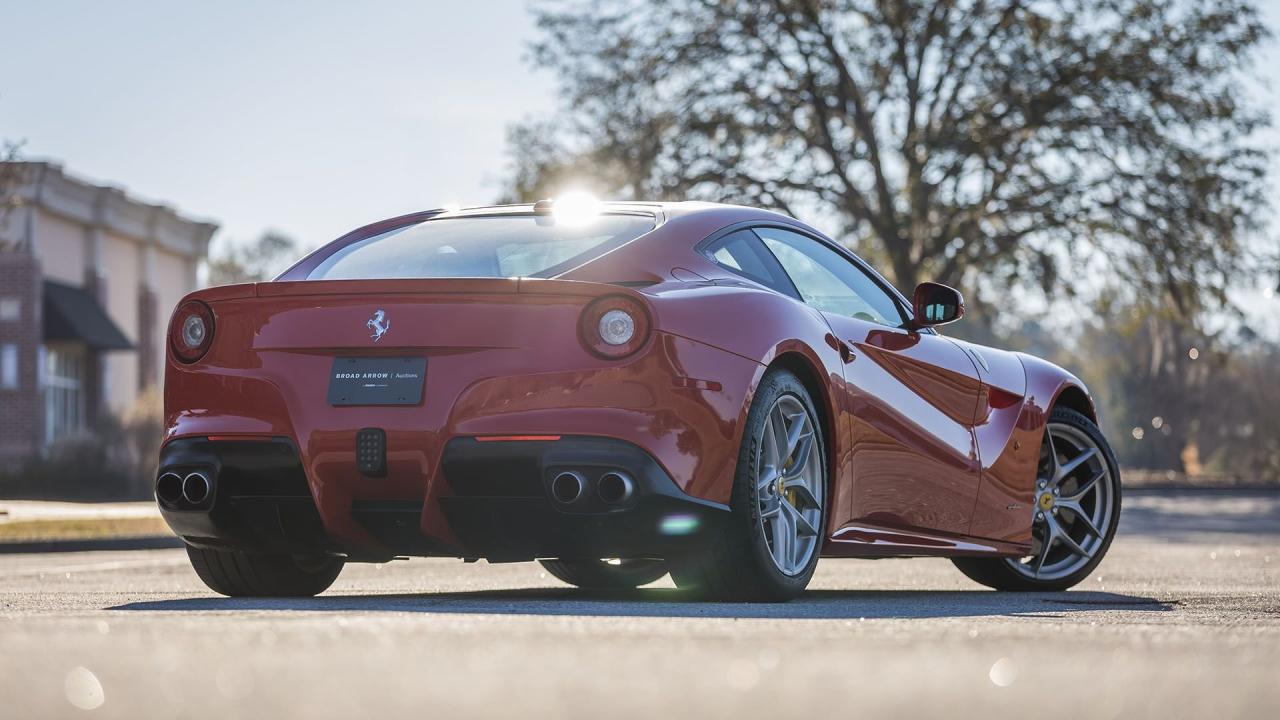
(21, 409)
(148, 350)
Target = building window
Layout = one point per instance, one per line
(64, 372)
(8, 366)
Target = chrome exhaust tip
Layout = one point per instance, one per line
(615, 487)
(196, 488)
(169, 488)
(568, 486)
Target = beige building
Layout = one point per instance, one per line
(88, 278)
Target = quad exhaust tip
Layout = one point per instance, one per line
(568, 486)
(196, 488)
(169, 488)
(615, 487)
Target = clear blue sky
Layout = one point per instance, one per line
(308, 117)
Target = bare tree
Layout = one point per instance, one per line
(260, 260)
(11, 173)
(1024, 139)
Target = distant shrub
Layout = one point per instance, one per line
(114, 460)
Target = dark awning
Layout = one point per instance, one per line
(73, 315)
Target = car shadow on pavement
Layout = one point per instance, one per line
(667, 602)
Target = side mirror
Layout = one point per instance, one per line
(937, 304)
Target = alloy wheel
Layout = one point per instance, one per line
(790, 485)
(1074, 502)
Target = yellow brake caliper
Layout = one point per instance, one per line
(789, 495)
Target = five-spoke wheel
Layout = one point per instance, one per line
(771, 545)
(1074, 503)
(1076, 508)
(789, 485)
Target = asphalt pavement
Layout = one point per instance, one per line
(1181, 620)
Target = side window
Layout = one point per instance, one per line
(828, 281)
(744, 253)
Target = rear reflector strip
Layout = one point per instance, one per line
(516, 438)
(696, 384)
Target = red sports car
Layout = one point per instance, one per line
(618, 391)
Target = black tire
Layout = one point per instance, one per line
(996, 572)
(736, 565)
(601, 575)
(241, 574)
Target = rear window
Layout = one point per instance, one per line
(482, 246)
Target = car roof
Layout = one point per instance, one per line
(678, 227)
(664, 210)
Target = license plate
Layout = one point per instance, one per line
(377, 381)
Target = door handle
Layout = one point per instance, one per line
(846, 351)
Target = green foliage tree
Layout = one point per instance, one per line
(1176, 398)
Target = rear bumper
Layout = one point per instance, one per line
(493, 499)
(500, 501)
(260, 498)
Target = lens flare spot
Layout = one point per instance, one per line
(83, 689)
(1003, 672)
(678, 524)
(576, 208)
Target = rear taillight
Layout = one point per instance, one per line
(191, 331)
(614, 326)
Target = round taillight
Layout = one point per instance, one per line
(617, 327)
(614, 326)
(191, 331)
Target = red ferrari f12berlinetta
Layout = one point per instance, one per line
(618, 391)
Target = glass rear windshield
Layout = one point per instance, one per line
(482, 246)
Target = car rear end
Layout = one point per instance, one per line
(436, 406)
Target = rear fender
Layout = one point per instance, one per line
(770, 330)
